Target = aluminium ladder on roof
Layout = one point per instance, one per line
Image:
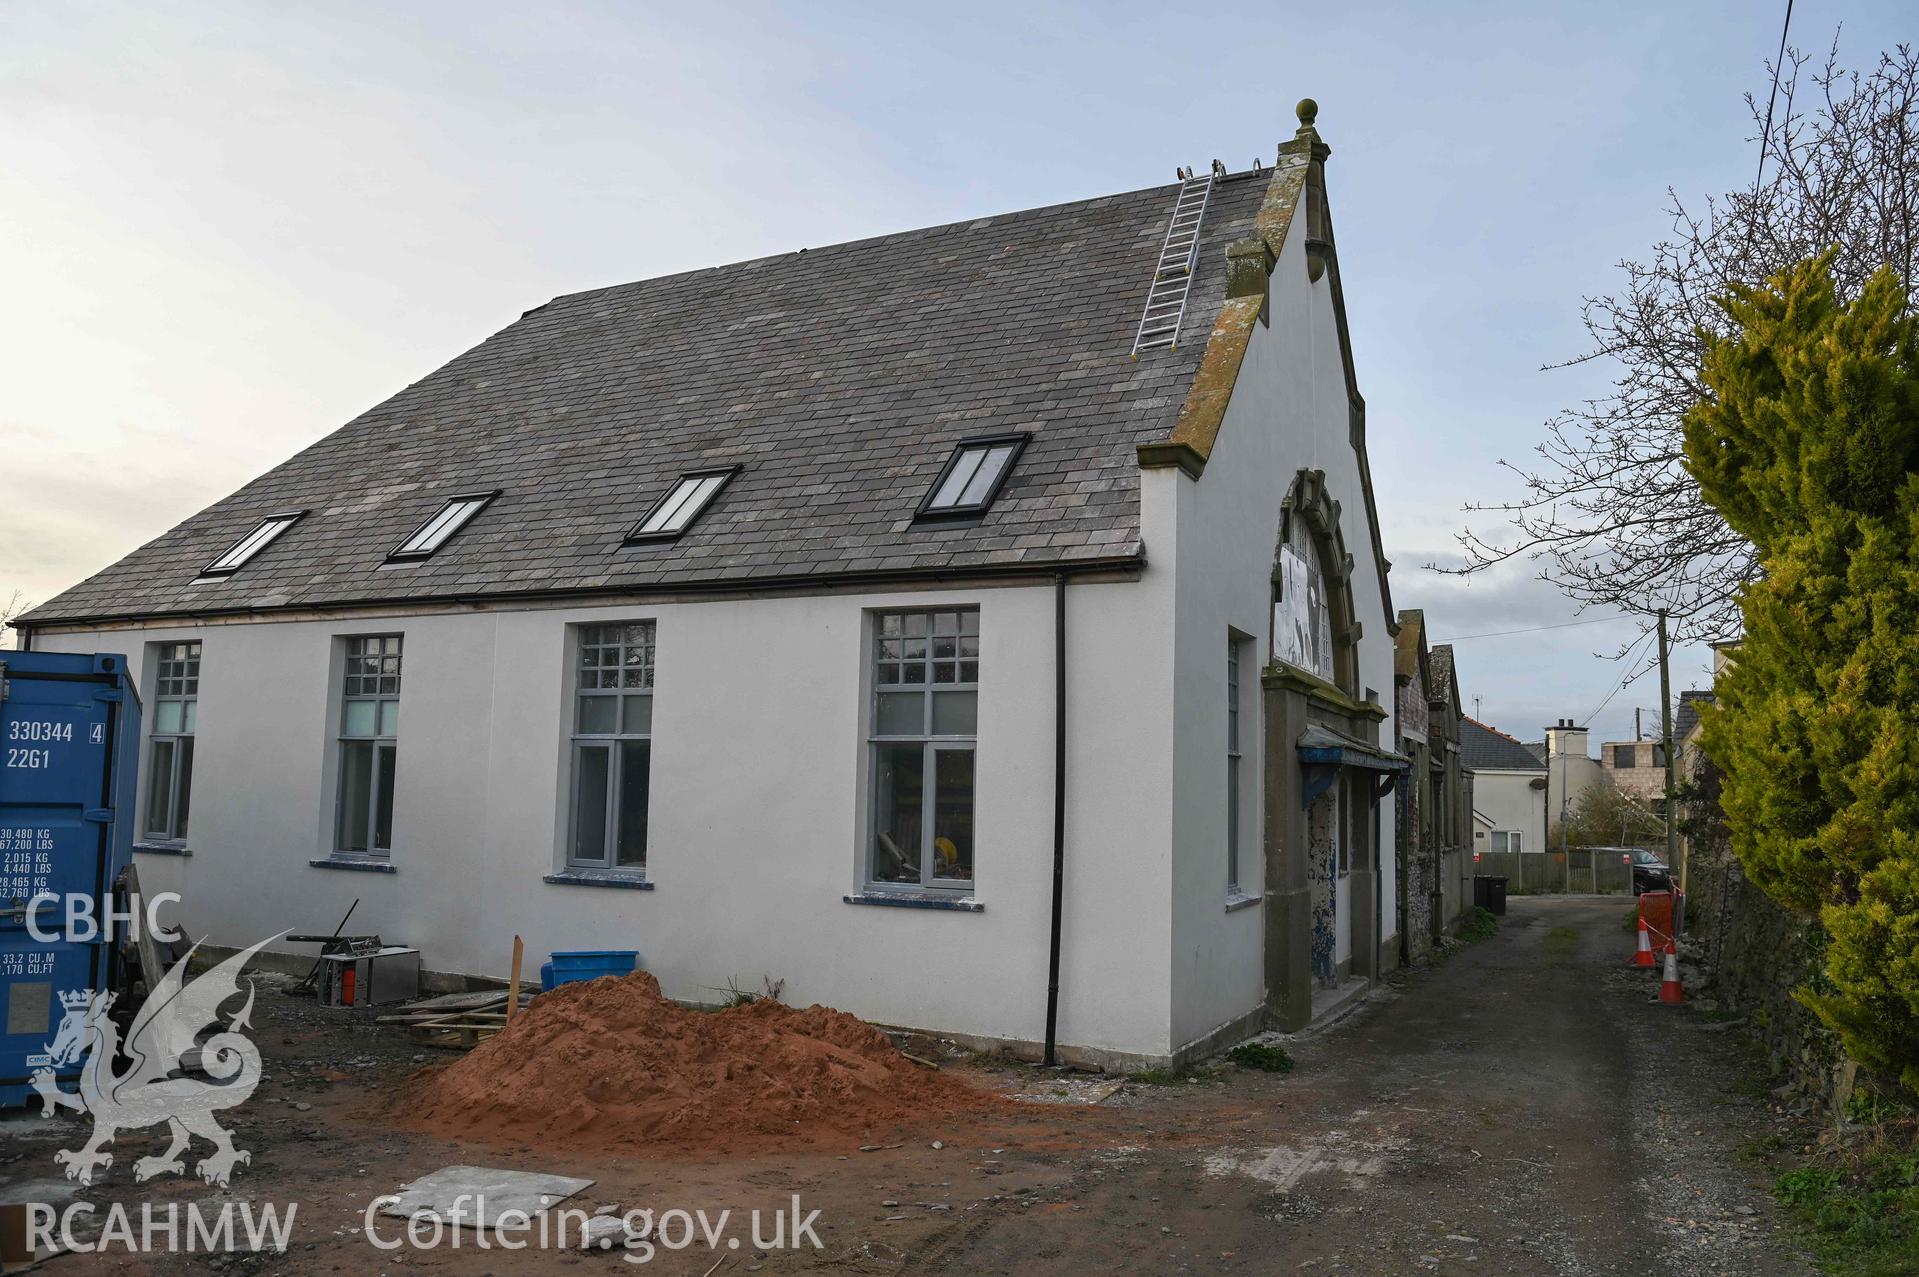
(1173, 277)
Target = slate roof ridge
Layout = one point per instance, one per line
(1468, 718)
(892, 237)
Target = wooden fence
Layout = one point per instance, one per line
(1579, 870)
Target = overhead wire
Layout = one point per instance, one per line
(1765, 137)
(1625, 679)
(1530, 629)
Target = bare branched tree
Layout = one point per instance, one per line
(1606, 816)
(1610, 514)
(15, 605)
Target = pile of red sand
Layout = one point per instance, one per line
(613, 1063)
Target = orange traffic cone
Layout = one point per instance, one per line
(1670, 991)
(1644, 957)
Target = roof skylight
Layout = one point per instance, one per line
(673, 513)
(264, 533)
(973, 476)
(440, 529)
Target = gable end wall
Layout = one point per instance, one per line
(1290, 410)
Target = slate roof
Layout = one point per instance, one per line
(1686, 717)
(1484, 747)
(839, 377)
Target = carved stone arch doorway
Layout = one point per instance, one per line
(1326, 771)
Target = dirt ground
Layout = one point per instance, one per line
(1525, 1107)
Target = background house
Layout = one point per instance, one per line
(1685, 728)
(1509, 791)
(1637, 768)
(1570, 771)
(1618, 799)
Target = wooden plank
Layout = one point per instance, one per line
(469, 1001)
(513, 982)
(477, 1000)
(426, 1010)
(492, 1019)
(453, 1036)
(463, 1020)
(152, 970)
(469, 1022)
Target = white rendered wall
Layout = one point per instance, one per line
(1288, 413)
(1508, 800)
(755, 817)
(1569, 775)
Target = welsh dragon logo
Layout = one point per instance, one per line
(169, 1024)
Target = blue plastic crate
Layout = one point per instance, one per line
(588, 964)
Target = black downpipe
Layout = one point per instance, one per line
(1059, 813)
(1379, 885)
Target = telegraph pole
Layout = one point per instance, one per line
(1565, 857)
(1665, 734)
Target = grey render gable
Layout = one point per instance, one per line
(1443, 687)
(840, 379)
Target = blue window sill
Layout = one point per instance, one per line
(359, 864)
(163, 849)
(593, 878)
(915, 900)
(1239, 900)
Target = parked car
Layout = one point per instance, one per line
(1649, 872)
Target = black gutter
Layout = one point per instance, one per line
(1059, 813)
(744, 585)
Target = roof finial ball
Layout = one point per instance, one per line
(1307, 111)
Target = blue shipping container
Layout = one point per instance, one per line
(69, 764)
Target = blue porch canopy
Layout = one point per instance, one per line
(1323, 752)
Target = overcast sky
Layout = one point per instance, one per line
(227, 229)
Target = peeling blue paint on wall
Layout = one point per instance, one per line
(1322, 867)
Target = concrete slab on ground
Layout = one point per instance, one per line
(476, 1196)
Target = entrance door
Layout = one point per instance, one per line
(1326, 876)
(1343, 897)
